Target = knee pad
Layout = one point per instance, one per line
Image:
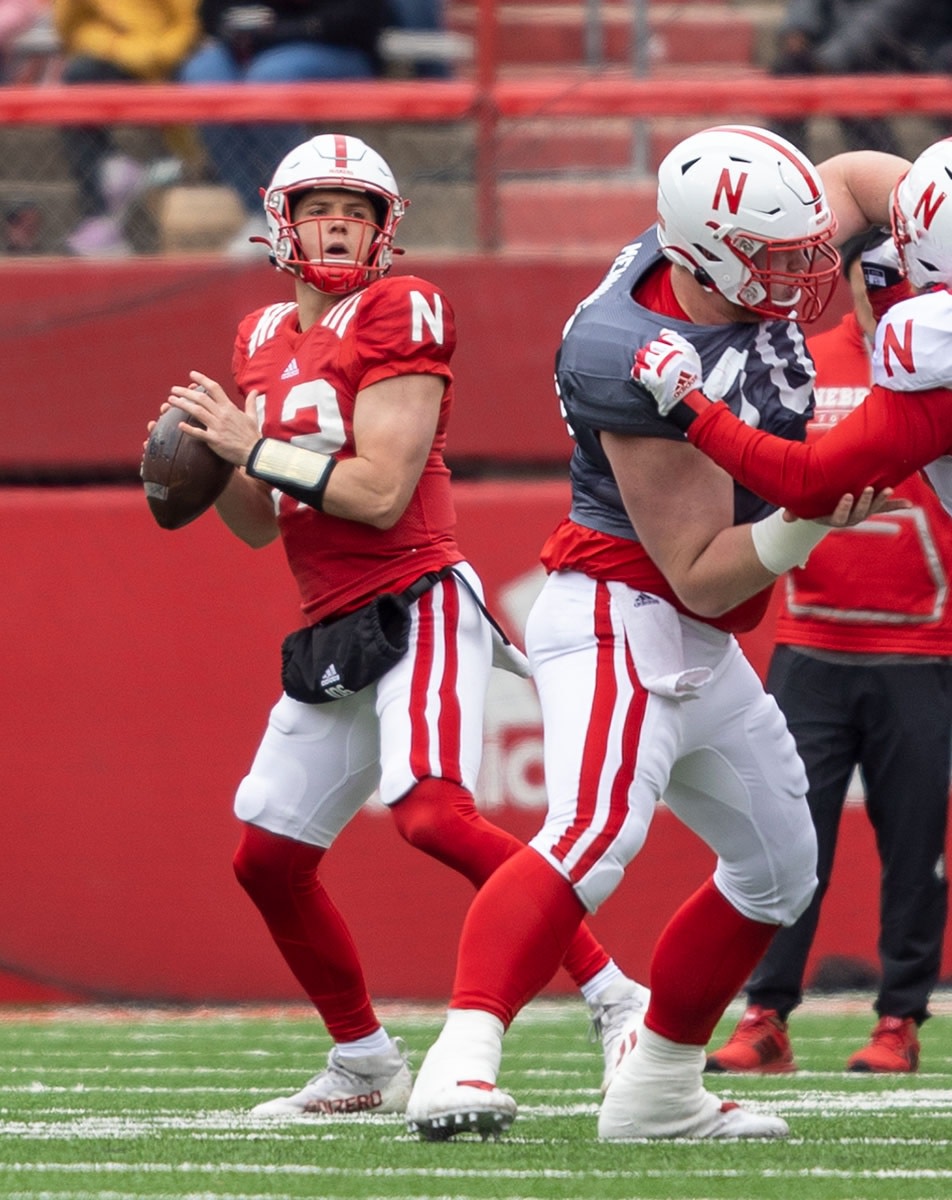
(780, 890)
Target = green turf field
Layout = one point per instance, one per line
(105, 1106)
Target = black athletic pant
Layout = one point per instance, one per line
(895, 723)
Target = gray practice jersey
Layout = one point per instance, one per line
(762, 370)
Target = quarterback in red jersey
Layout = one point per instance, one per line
(905, 424)
(862, 671)
(340, 451)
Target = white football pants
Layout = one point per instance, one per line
(317, 764)
(641, 703)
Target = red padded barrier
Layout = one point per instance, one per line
(559, 93)
(139, 666)
(91, 349)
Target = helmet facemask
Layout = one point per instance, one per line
(324, 271)
(770, 287)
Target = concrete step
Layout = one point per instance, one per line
(589, 217)
(692, 31)
(566, 146)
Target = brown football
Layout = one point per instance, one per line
(181, 475)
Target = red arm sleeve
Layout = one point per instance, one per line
(883, 441)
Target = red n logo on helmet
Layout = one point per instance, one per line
(901, 349)
(928, 205)
(730, 191)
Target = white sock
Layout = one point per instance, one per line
(373, 1043)
(469, 1047)
(661, 1054)
(609, 974)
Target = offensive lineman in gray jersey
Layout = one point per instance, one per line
(644, 689)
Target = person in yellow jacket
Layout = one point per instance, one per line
(114, 41)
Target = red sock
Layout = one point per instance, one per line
(701, 961)
(440, 818)
(515, 935)
(280, 876)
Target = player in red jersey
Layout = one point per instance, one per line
(645, 691)
(348, 393)
(904, 425)
(861, 671)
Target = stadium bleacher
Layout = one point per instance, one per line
(436, 163)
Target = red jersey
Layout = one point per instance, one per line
(881, 587)
(309, 381)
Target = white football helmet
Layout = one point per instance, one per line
(745, 212)
(337, 161)
(922, 217)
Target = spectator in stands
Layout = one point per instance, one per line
(22, 228)
(862, 674)
(140, 42)
(277, 41)
(421, 16)
(16, 17)
(847, 37)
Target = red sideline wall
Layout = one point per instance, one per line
(91, 350)
(140, 665)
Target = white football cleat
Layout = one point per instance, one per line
(468, 1107)
(712, 1119)
(656, 1092)
(617, 1018)
(376, 1083)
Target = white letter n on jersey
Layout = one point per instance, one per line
(422, 313)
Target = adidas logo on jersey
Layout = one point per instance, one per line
(291, 370)
(331, 675)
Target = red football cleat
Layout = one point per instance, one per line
(893, 1046)
(758, 1044)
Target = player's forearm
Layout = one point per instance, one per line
(743, 560)
(360, 491)
(809, 478)
(247, 509)
(726, 573)
(356, 489)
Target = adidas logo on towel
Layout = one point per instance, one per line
(291, 370)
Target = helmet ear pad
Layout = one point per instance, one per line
(745, 212)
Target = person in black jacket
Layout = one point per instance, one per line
(277, 41)
(850, 37)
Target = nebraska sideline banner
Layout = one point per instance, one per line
(139, 669)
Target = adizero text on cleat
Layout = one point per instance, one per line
(376, 1083)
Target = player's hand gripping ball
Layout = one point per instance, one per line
(181, 475)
